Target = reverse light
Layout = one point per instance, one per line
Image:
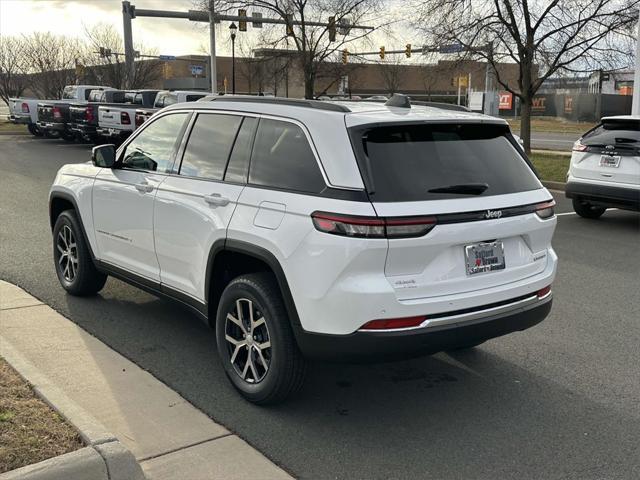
(372, 227)
(545, 210)
(578, 146)
(124, 118)
(391, 323)
(57, 114)
(544, 292)
(25, 107)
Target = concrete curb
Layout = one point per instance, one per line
(104, 458)
(554, 185)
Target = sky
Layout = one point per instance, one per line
(166, 36)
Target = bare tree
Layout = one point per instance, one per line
(391, 72)
(541, 37)
(13, 68)
(311, 42)
(111, 69)
(52, 60)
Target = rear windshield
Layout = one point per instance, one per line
(614, 132)
(402, 163)
(69, 92)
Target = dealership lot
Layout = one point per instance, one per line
(556, 401)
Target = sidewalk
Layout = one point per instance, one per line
(168, 436)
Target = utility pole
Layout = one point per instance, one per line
(635, 105)
(127, 15)
(212, 48)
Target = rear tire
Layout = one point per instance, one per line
(34, 130)
(74, 266)
(586, 210)
(255, 340)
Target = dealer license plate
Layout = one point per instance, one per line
(610, 161)
(484, 257)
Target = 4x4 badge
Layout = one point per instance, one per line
(493, 214)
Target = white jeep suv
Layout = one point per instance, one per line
(605, 167)
(306, 229)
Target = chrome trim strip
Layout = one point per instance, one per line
(466, 317)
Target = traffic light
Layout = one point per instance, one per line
(289, 20)
(407, 50)
(242, 24)
(332, 29)
(382, 53)
(345, 56)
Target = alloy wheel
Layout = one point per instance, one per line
(248, 341)
(68, 253)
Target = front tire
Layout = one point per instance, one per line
(255, 340)
(74, 266)
(586, 210)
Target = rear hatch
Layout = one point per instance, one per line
(116, 118)
(609, 152)
(464, 200)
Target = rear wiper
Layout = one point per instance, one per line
(465, 189)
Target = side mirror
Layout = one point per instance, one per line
(104, 156)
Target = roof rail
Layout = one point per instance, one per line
(398, 100)
(292, 102)
(442, 105)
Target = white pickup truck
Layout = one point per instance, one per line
(116, 122)
(25, 110)
(166, 98)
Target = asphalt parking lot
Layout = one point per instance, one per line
(558, 401)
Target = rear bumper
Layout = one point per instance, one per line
(82, 128)
(394, 345)
(52, 126)
(20, 119)
(113, 133)
(604, 195)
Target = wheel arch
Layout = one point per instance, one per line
(58, 203)
(230, 258)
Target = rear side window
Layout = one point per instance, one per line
(209, 145)
(69, 92)
(193, 98)
(282, 158)
(407, 162)
(129, 97)
(614, 132)
(138, 100)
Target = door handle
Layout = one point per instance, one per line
(144, 187)
(216, 200)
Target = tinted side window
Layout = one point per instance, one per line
(137, 99)
(153, 148)
(239, 162)
(209, 145)
(282, 158)
(193, 98)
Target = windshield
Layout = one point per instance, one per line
(440, 161)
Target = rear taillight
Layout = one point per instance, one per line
(578, 146)
(57, 114)
(372, 227)
(392, 323)
(139, 119)
(89, 113)
(124, 118)
(543, 293)
(25, 107)
(545, 210)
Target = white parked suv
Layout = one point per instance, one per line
(605, 167)
(306, 229)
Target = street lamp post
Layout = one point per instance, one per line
(233, 29)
